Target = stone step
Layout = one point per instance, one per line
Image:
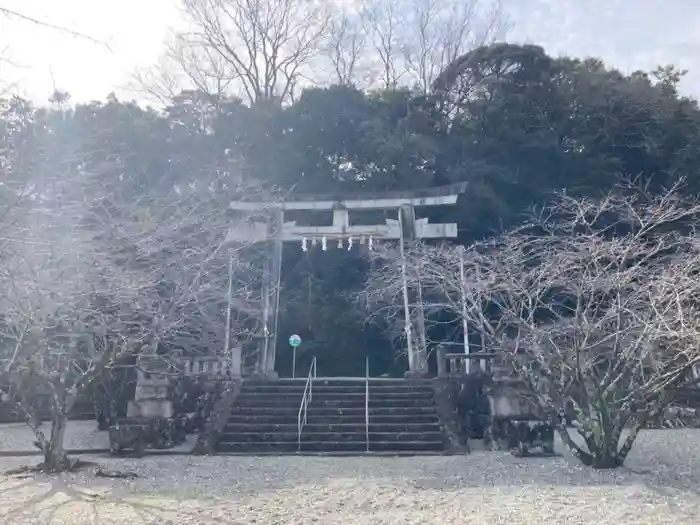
(329, 446)
(402, 418)
(269, 388)
(377, 411)
(281, 410)
(339, 402)
(342, 453)
(333, 419)
(387, 396)
(325, 411)
(231, 436)
(340, 382)
(342, 427)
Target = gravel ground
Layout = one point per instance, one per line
(659, 486)
(80, 435)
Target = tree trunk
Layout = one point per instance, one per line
(577, 451)
(602, 451)
(55, 457)
(606, 454)
(607, 462)
(630, 439)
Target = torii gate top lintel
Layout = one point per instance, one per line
(406, 227)
(440, 196)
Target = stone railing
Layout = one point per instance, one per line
(459, 364)
(200, 365)
(212, 366)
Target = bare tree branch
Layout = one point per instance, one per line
(267, 44)
(87, 278)
(15, 14)
(345, 47)
(437, 32)
(382, 21)
(593, 304)
(184, 66)
(160, 83)
(412, 41)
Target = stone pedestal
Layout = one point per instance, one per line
(151, 399)
(236, 362)
(150, 421)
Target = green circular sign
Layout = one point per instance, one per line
(294, 340)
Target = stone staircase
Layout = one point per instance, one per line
(402, 418)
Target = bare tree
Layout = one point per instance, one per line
(383, 296)
(50, 280)
(86, 279)
(159, 83)
(437, 32)
(181, 239)
(267, 44)
(412, 41)
(261, 50)
(382, 22)
(345, 47)
(206, 70)
(594, 305)
(184, 66)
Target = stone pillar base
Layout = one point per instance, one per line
(521, 437)
(417, 374)
(150, 408)
(265, 375)
(139, 433)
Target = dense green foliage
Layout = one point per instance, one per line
(511, 121)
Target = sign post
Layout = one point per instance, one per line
(294, 342)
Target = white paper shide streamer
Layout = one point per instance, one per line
(324, 242)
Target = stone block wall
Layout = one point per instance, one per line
(500, 411)
(463, 405)
(517, 422)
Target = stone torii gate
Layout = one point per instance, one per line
(275, 231)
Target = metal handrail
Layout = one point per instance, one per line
(367, 402)
(305, 400)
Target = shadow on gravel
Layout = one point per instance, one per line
(665, 463)
(50, 499)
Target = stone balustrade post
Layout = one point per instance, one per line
(441, 355)
(236, 362)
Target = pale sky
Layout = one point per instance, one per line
(135, 30)
(654, 32)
